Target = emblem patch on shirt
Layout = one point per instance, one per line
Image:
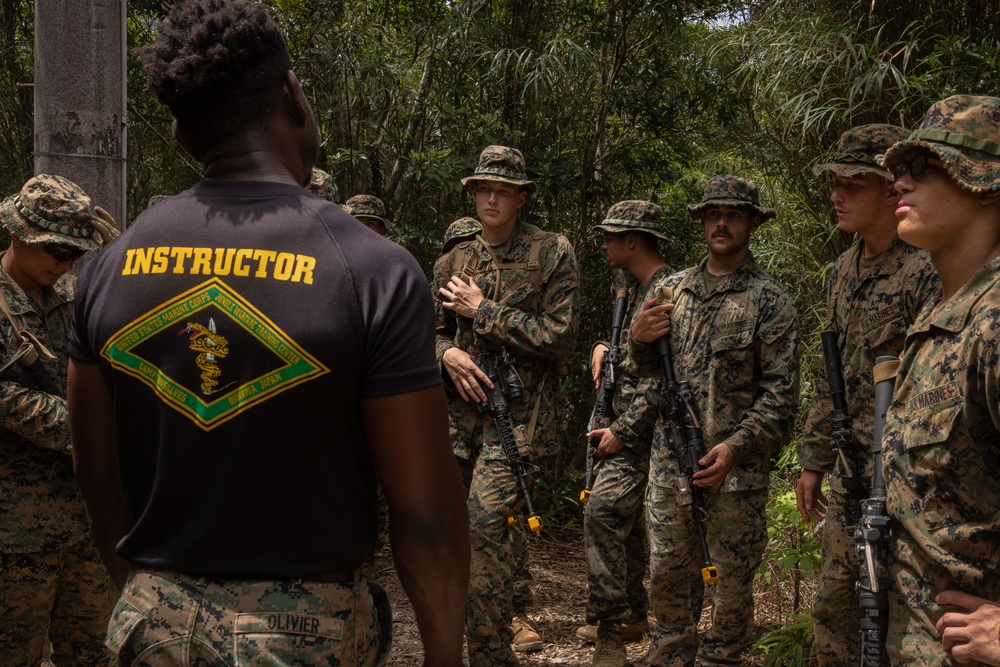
(200, 331)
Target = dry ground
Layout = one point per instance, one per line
(560, 586)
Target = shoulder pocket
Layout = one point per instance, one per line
(932, 416)
(890, 332)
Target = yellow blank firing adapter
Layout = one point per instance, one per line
(710, 574)
(535, 524)
(584, 496)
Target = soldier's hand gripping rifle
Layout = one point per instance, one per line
(841, 436)
(499, 367)
(606, 389)
(680, 416)
(872, 534)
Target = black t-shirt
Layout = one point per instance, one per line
(238, 326)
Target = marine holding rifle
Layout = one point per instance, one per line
(53, 585)
(734, 340)
(876, 289)
(514, 287)
(613, 520)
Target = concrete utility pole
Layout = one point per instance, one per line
(80, 96)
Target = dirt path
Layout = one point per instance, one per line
(559, 583)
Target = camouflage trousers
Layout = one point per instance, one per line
(523, 595)
(63, 596)
(169, 619)
(835, 613)
(493, 497)
(914, 583)
(614, 537)
(737, 535)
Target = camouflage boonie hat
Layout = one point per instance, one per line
(321, 184)
(156, 199)
(964, 132)
(860, 150)
(503, 165)
(458, 231)
(730, 190)
(51, 209)
(634, 215)
(367, 206)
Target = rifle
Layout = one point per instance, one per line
(680, 416)
(499, 367)
(872, 534)
(23, 367)
(841, 436)
(606, 388)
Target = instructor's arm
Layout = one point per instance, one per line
(428, 519)
(95, 462)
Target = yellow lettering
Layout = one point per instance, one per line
(143, 260)
(304, 265)
(180, 254)
(129, 256)
(160, 259)
(242, 255)
(283, 265)
(223, 261)
(202, 263)
(264, 257)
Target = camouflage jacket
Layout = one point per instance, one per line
(537, 327)
(41, 507)
(635, 417)
(738, 348)
(871, 314)
(941, 444)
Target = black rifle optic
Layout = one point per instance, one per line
(25, 368)
(606, 388)
(872, 534)
(680, 416)
(499, 367)
(841, 436)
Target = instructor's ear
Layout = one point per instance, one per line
(295, 98)
(185, 140)
(989, 198)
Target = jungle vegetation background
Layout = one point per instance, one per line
(608, 100)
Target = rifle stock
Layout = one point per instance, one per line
(606, 389)
(872, 534)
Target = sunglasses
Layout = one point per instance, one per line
(61, 253)
(915, 166)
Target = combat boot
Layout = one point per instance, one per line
(609, 650)
(526, 638)
(632, 630)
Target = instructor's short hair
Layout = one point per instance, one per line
(219, 66)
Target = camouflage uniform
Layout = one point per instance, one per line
(871, 312)
(53, 585)
(533, 313)
(368, 208)
(320, 184)
(941, 445)
(613, 519)
(737, 347)
(171, 618)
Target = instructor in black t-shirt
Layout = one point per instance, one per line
(246, 360)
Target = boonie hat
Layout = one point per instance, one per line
(730, 190)
(367, 206)
(458, 231)
(321, 184)
(51, 209)
(503, 165)
(634, 215)
(963, 131)
(861, 149)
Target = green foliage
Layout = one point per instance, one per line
(793, 547)
(557, 499)
(789, 645)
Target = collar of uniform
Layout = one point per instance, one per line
(504, 250)
(954, 314)
(886, 264)
(737, 281)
